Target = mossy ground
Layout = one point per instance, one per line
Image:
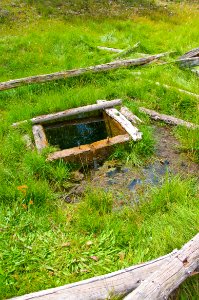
(44, 241)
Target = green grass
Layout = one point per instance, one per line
(44, 241)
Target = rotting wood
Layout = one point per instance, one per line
(117, 283)
(129, 115)
(77, 72)
(70, 112)
(86, 153)
(167, 119)
(175, 88)
(162, 282)
(40, 137)
(126, 124)
(192, 53)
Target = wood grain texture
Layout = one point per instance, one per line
(160, 284)
(101, 287)
(70, 112)
(167, 119)
(77, 72)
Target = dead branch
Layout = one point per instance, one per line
(77, 72)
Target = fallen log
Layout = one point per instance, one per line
(192, 53)
(77, 72)
(162, 282)
(101, 287)
(40, 137)
(167, 119)
(188, 62)
(129, 115)
(70, 112)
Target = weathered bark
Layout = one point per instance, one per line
(70, 112)
(167, 119)
(101, 287)
(132, 130)
(129, 115)
(162, 282)
(77, 72)
(175, 88)
(192, 53)
(40, 137)
(189, 62)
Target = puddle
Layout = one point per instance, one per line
(67, 136)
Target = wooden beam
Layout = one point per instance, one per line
(40, 137)
(167, 119)
(70, 112)
(77, 72)
(162, 282)
(101, 287)
(126, 124)
(129, 115)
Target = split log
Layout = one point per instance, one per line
(129, 115)
(175, 88)
(126, 124)
(192, 53)
(167, 119)
(70, 112)
(165, 280)
(40, 137)
(101, 287)
(77, 72)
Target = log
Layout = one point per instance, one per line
(188, 62)
(175, 88)
(167, 119)
(40, 137)
(77, 72)
(192, 53)
(101, 287)
(126, 124)
(110, 49)
(70, 112)
(129, 115)
(162, 282)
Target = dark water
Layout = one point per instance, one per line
(67, 136)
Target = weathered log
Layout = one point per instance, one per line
(101, 287)
(40, 137)
(110, 49)
(70, 112)
(161, 283)
(77, 72)
(129, 115)
(192, 53)
(175, 88)
(132, 130)
(167, 119)
(188, 62)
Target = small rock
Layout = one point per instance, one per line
(77, 176)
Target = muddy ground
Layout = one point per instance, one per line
(128, 182)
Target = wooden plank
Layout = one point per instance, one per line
(101, 287)
(167, 119)
(40, 137)
(88, 152)
(120, 118)
(77, 72)
(70, 112)
(162, 282)
(129, 115)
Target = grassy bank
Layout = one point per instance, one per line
(46, 242)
